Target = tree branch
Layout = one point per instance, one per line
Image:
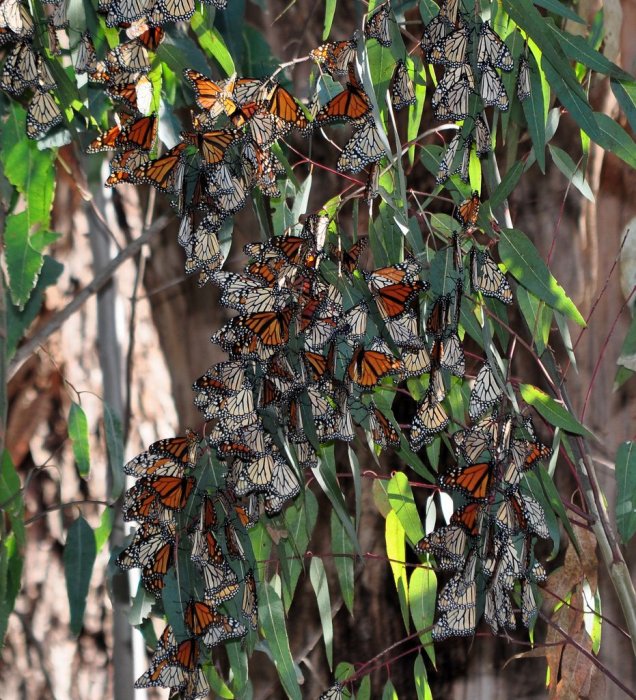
(25, 350)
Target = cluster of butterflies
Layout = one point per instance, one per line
(488, 542)
(182, 525)
(122, 71)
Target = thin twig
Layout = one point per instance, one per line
(25, 351)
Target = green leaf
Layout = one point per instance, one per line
(558, 8)
(403, 504)
(538, 317)
(272, 618)
(422, 594)
(78, 433)
(422, 687)
(318, 578)
(115, 448)
(27, 168)
(18, 321)
(528, 18)
(571, 171)
(577, 48)
(141, 606)
(300, 520)
(625, 93)
(343, 555)
(523, 261)
(325, 475)
(627, 357)
(364, 691)
(103, 530)
(217, 684)
(507, 184)
(416, 110)
(79, 557)
(11, 564)
(615, 139)
(12, 499)
(396, 553)
(261, 546)
(23, 261)
(573, 100)
(212, 42)
(179, 53)
(330, 10)
(389, 693)
(553, 412)
(626, 490)
(237, 656)
(534, 108)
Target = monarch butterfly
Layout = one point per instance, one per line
(448, 543)
(485, 392)
(212, 145)
(86, 57)
(352, 105)
(151, 37)
(212, 626)
(108, 141)
(452, 357)
(15, 22)
(382, 431)
(335, 692)
(492, 89)
(444, 170)
(249, 606)
(172, 11)
(271, 327)
(282, 105)
(212, 97)
(530, 514)
(458, 620)
(140, 134)
(261, 168)
(487, 278)
(363, 148)
(523, 79)
(450, 51)
(349, 260)
(449, 9)
(394, 299)
(377, 25)
(401, 87)
(434, 32)
(219, 581)
(529, 609)
(367, 367)
(20, 69)
(204, 250)
(131, 56)
(165, 173)
(249, 296)
(483, 143)
(440, 317)
(173, 491)
(185, 448)
(354, 323)
(284, 483)
(498, 612)
(474, 480)
(335, 56)
(451, 96)
(468, 211)
(492, 51)
(430, 418)
(473, 442)
(416, 362)
(42, 114)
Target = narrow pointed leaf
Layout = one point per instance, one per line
(115, 448)
(422, 593)
(403, 504)
(626, 490)
(396, 552)
(343, 554)
(79, 557)
(272, 618)
(78, 433)
(318, 578)
(553, 412)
